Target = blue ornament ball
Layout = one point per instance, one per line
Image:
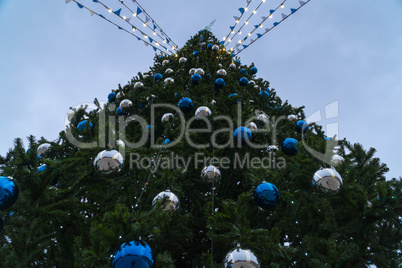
(195, 53)
(234, 95)
(195, 79)
(111, 97)
(264, 94)
(219, 83)
(243, 82)
(158, 77)
(41, 168)
(119, 111)
(266, 195)
(186, 104)
(209, 46)
(135, 254)
(243, 71)
(241, 134)
(253, 70)
(301, 126)
(289, 147)
(8, 192)
(82, 125)
(237, 62)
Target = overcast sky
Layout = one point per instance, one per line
(55, 55)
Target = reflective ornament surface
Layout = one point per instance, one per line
(253, 70)
(241, 134)
(168, 81)
(8, 192)
(252, 126)
(186, 104)
(43, 148)
(199, 71)
(241, 258)
(83, 124)
(165, 62)
(210, 173)
(158, 77)
(219, 83)
(138, 85)
(262, 117)
(232, 66)
(251, 83)
(328, 179)
(171, 204)
(243, 81)
(266, 195)
(195, 79)
(302, 126)
(221, 72)
(272, 148)
(168, 71)
(108, 161)
(111, 97)
(182, 60)
(292, 117)
(125, 105)
(167, 117)
(337, 159)
(192, 71)
(203, 111)
(215, 48)
(120, 144)
(134, 254)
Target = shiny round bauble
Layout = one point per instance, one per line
(251, 83)
(167, 117)
(119, 111)
(263, 118)
(83, 124)
(243, 82)
(138, 85)
(158, 77)
(108, 161)
(209, 46)
(168, 81)
(253, 70)
(220, 65)
(221, 72)
(120, 144)
(172, 200)
(337, 159)
(192, 71)
(186, 104)
(232, 66)
(165, 62)
(210, 173)
(41, 168)
(272, 148)
(215, 48)
(134, 254)
(111, 97)
(241, 258)
(195, 79)
(301, 126)
(241, 134)
(219, 83)
(243, 71)
(252, 126)
(43, 148)
(8, 192)
(203, 111)
(292, 117)
(289, 147)
(199, 71)
(125, 105)
(169, 71)
(266, 195)
(196, 53)
(182, 60)
(120, 95)
(328, 179)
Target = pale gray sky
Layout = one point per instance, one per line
(54, 56)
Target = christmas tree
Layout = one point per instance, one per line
(196, 163)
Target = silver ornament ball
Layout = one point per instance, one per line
(108, 161)
(203, 111)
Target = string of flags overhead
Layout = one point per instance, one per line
(241, 45)
(146, 39)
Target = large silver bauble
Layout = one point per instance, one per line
(221, 72)
(337, 159)
(125, 104)
(171, 204)
(203, 111)
(328, 179)
(251, 83)
(108, 161)
(165, 62)
(168, 81)
(252, 126)
(199, 71)
(168, 71)
(232, 66)
(138, 85)
(292, 117)
(167, 117)
(43, 148)
(241, 258)
(215, 48)
(192, 70)
(210, 173)
(182, 60)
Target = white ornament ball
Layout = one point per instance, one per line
(337, 159)
(210, 173)
(328, 178)
(108, 161)
(167, 117)
(168, 81)
(182, 60)
(138, 85)
(221, 72)
(173, 200)
(203, 111)
(251, 83)
(241, 258)
(168, 71)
